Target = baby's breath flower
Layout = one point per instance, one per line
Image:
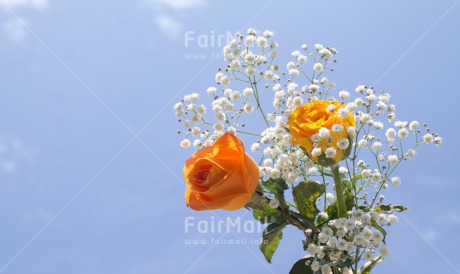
(318, 67)
(185, 143)
(377, 146)
(344, 94)
(428, 138)
(274, 203)
(294, 72)
(343, 143)
(413, 125)
(330, 152)
(337, 128)
(393, 159)
(411, 153)
(384, 251)
(392, 219)
(376, 177)
(438, 141)
(323, 132)
(275, 173)
(248, 92)
(248, 108)
(396, 181)
(391, 133)
(316, 152)
(403, 133)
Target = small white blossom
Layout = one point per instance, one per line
(411, 153)
(274, 203)
(396, 181)
(438, 141)
(268, 162)
(318, 47)
(377, 146)
(325, 53)
(291, 177)
(323, 132)
(391, 133)
(185, 143)
(378, 125)
(343, 143)
(248, 108)
(337, 128)
(368, 255)
(330, 152)
(403, 133)
(366, 173)
(344, 94)
(376, 177)
(384, 251)
(413, 125)
(392, 219)
(275, 173)
(294, 72)
(428, 138)
(343, 113)
(295, 53)
(312, 171)
(393, 159)
(318, 67)
(316, 152)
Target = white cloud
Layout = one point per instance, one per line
(177, 4)
(16, 29)
(11, 4)
(168, 25)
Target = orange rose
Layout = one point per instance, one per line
(305, 123)
(221, 176)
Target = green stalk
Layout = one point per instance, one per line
(341, 208)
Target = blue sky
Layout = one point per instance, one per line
(90, 167)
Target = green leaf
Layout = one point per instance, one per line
(275, 226)
(305, 196)
(356, 178)
(301, 268)
(389, 208)
(271, 241)
(267, 215)
(367, 267)
(277, 187)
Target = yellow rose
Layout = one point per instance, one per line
(305, 123)
(222, 176)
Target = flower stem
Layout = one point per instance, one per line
(341, 208)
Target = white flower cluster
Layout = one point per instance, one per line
(379, 136)
(250, 59)
(350, 240)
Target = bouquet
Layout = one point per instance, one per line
(325, 158)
